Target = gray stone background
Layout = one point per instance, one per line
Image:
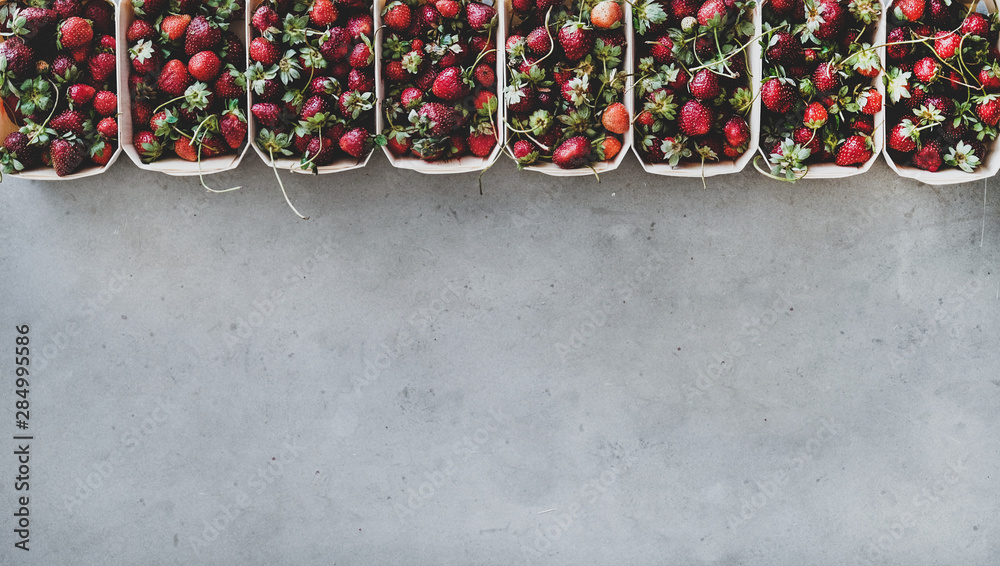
(557, 372)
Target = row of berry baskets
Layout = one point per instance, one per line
(695, 88)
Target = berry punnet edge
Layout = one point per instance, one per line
(168, 163)
(592, 166)
(724, 165)
(842, 101)
(945, 174)
(402, 134)
(88, 167)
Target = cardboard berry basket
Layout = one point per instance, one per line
(832, 170)
(599, 167)
(989, 166)
(726, 166)
(169, 164)
(294, 165)
(49, 174)
(467, 163)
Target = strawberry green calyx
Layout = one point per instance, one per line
(788, 161)
(36, 95)
(897, 84)
(289, 67)
(866, 11)
(257, 76)
(646, 14)
(578, 90)
(674, 149)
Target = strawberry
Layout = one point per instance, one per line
(264, 51)
(108, 127)
(737, 131)
(695, 118)
(267, 113)
(140, 29)
(832, 14)
(573, 153)
(101, 66)
(927, 70)
(610, 146)
(525, 152)
(870, 101)
(106, 103)
(897, 49)
(662, 50)
(449, 85)
(448, 8)
(684, 8)
(323, 13)
(230, 83)
(265, 19)
(356, 142)
(616, 119)
(975, 24)
(946, 44)
(484, 75)
(909, 10)
(145, 57)
(174, 78)
(712, 10)
(815, 116)
(361, 56)
(479, 16)
(18, 55)
(202, 34)
(233, 126)
(69, 121)
(481, 142)
(74, 32)
(606, 14)
(396, 16)
(903, 137)
(204, 66)
(334, 45)
(101, 153)
(101, 16)
(928, 157)
(988, 108)
(148, 7)
(538, 41)
(80, 94)
(174, 26)
(856, 150)
(826, 77)
(66, 156)
(704, 85)
(185, 149)
(440, 118)
(777, 95)
(576, 39)
(358, 79)
(149, 147)
(321, 151)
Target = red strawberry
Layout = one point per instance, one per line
(102, 66)
(267, 113)
(449, 85)
(539, 41)
(145, 57)
(988, 108)
(572, 153)
(479, 16)
(101, 153)
(323, 13)
(975, 24)
(234, 127)
(202, 35)
(80, 94)
(148, 7)
(75, 32)
(396, 16)
(174, 26)
(448, 8)
(335, 47)
(441, 117)
(361, 56)
(356, 142)
(66, 156)
(663, 50)
(148, 146)
(927, 70)
(576, 39)
(482, 142)
(704, 85)
(815, 116)
(946, 44)
(909, 10)
(101, 16)
(833, 17)
(897, 49)
(204, 66)
(359, 80)
(903, 137)
(265, 18)
(264, 51)
(174, 78)
(106, 103)
(826, 78)
(695, 119)
(525, 152)
(712, 9)
(361, 25)
(870, 101)
(778, 95)
(856, 150)
(684, 8)
(139, 29)
(321, 151)
(928, 157)
(737, 131)
(784, 48)
(230, 84)
(411, 98)
(108, 127)
(485, 75)
(69, 121)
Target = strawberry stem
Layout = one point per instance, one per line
(282, 185)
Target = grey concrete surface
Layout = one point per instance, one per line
(557, 372)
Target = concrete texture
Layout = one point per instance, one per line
(557, 372)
